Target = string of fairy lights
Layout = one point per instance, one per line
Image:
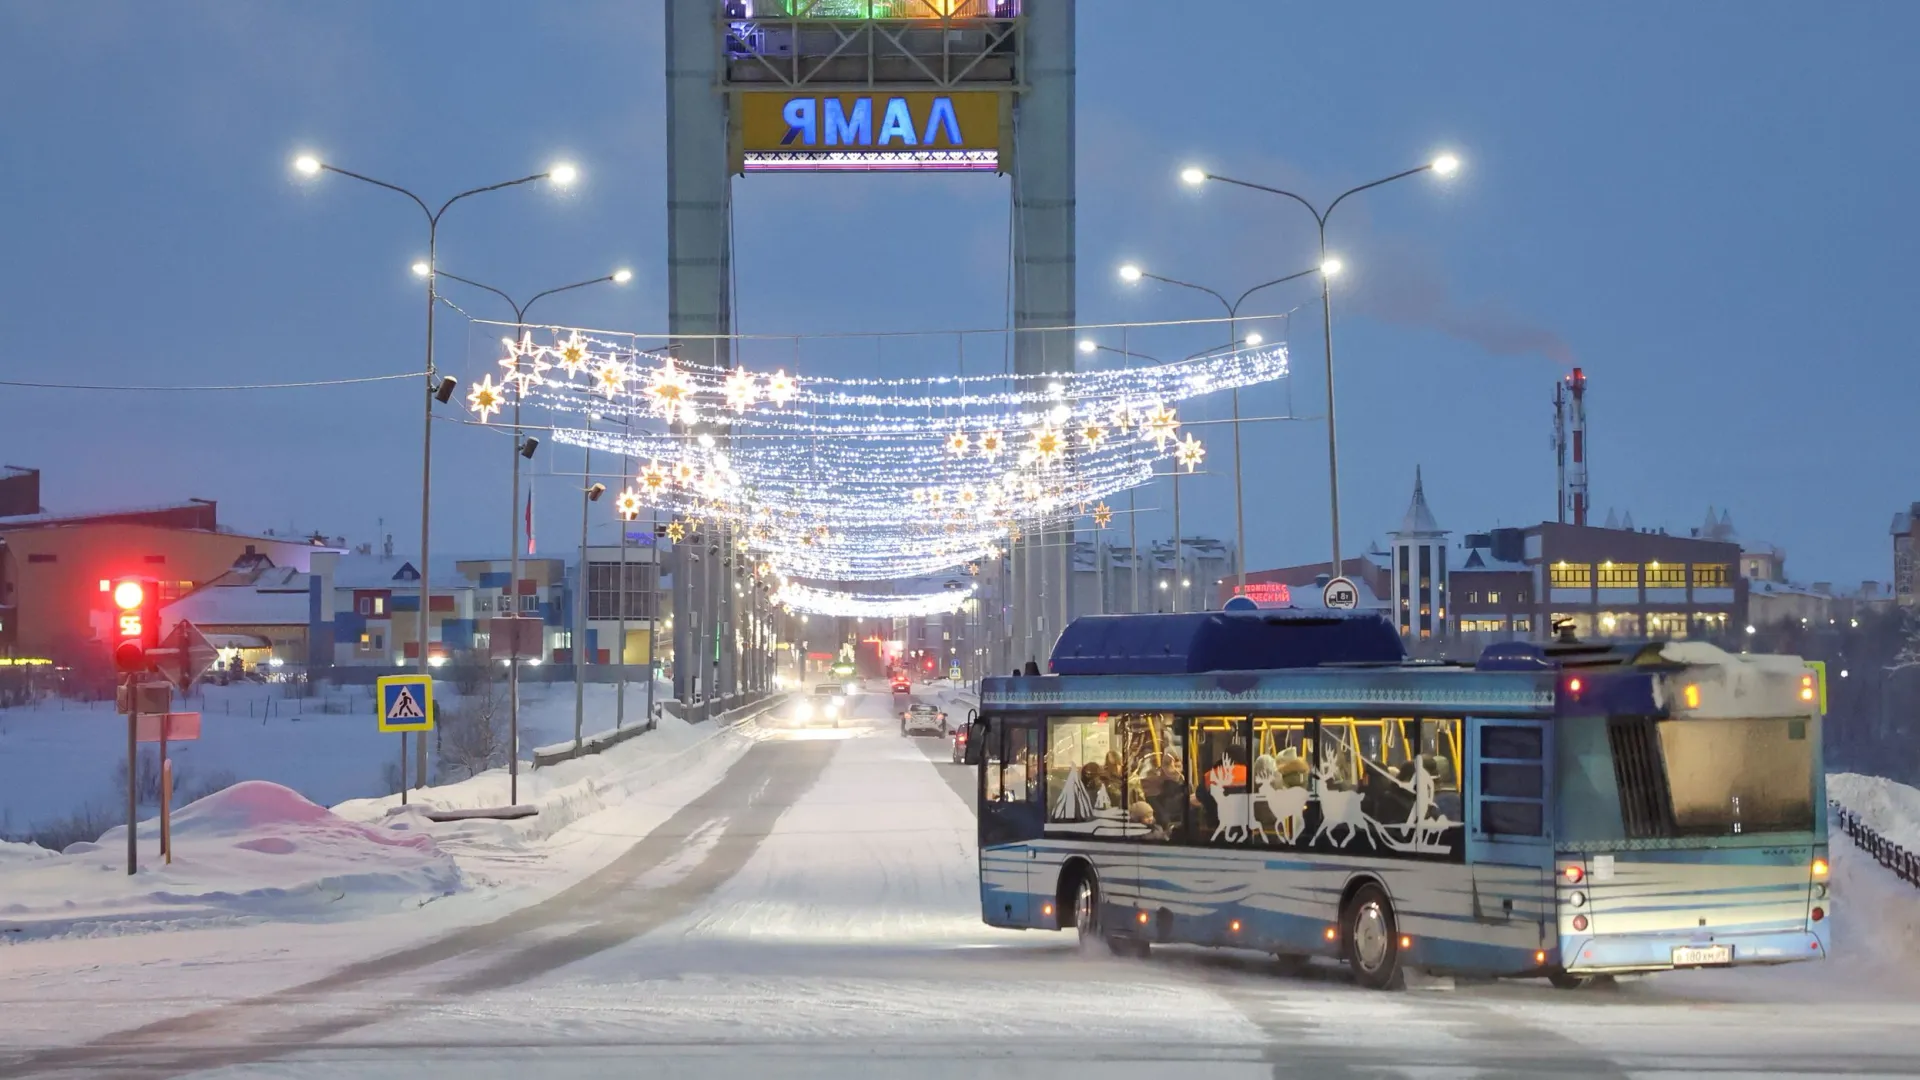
(845, 480)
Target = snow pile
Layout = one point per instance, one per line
(12, 854)
(1892, 809)
(255, 850)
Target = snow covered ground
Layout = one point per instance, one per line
(1891, 808)
(60, 760)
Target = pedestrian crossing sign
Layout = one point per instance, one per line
(405, 703)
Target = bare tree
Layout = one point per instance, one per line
(1909, 654)
(473, 733)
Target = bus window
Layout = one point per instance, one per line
(1156, 792)
(1083, 769)
(1282, 764)
(1218, 795)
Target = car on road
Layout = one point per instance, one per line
(901, 685)
(921, 718)
(960, 744)
(825, 707)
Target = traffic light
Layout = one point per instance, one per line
(136, 622)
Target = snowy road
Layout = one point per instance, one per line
(814, 914)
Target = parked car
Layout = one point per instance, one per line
(921, 718)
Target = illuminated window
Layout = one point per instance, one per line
(1710, 575)
(379, 605)
(1564, 575)
(1493, 598)
(1666, 576)
(1522, 625)
(366, 640)
(1473, 597)
(1667, 624)
(1482, 626)
(1619, 575)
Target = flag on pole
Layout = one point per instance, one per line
(529, 520)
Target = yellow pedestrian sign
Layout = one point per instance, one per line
(405, 702)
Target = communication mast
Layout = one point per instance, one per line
(1570, 445)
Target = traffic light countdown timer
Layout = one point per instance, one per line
(136, 623)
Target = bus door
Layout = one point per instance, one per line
(1012, 812)
(1508, 796)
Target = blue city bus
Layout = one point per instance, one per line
(1289, 781)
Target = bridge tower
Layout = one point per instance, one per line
(769, 86)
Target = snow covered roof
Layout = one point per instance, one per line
(397, 572)
(1419, 520)
(1464, 558)
(241, 605)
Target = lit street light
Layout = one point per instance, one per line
(1444, 165)
(523, 448)
(1132, 273)
(560, 174)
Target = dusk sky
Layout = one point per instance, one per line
(1707, 205)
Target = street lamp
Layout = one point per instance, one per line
(562, 175)
(1444, 165)
(523, 447)
(1131, 273)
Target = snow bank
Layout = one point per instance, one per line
(252, 851)
(1891, 808)
(12, 854)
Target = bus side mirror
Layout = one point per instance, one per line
(977, 742)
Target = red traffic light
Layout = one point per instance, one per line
(136, 622)
(129, 594)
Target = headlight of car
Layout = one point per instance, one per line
(803, 711)
(833, 709)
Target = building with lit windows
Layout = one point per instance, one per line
(1417, 590)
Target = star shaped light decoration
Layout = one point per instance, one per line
(572, 355)
(611, 375)
(742, 389)
(485, 397)
(628, 505)
(958, 443)
(672, 394)
(653, 478)
(1122, 418)
(525, 364)
(781, 387)
(1102, 516)
(684, 473)
(1190, 452)
(1162, 424)
(1094, 434)
(973, 568)
(1048, 443)
(676, 532)
(993, 444)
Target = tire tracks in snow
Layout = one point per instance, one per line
(607, 908)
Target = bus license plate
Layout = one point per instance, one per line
(1697, 955)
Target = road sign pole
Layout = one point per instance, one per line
(166, 802)
(133, 754)
(403, 769)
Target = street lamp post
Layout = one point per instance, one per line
(562, 174)
(1131, 273)
(522, 448)
(1444, 165)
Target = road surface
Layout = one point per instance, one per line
(814, 915)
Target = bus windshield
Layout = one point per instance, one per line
(1739, 776)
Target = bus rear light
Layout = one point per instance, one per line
(1819, 913)
(1407, 942)
(1580, 923)
(1692, 695)
(1574, 686)
(1143, 918)
(1540, 956)
(1046, 910)
(1577, 898)
(1574, 874)
(1333, 933)
(1820, 867)
(1820, 890)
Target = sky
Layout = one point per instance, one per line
(1707, 206)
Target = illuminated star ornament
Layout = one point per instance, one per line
(628, 505)
(958, 443)
(1102, 516)
(1190, 452)
(676, 532)
(1162, 424)
(653, 478)
(610, 378)
(571, 354)
(742, 390)
(672, 394)
(780, 388)
(485, 397)
(524, 363)
(1047, 443)
(1093, 433)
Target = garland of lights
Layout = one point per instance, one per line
(868, 479)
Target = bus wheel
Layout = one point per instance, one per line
(1372, 939)
(1086, 913)
(1562, 979)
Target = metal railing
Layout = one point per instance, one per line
(1904, 863)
